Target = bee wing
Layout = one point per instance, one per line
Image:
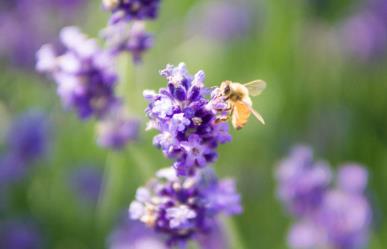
(255, 87)
(240, 114)
(258, 116)
(255, 113)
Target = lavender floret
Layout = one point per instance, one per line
(132, 9)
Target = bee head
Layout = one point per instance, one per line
(226, 88)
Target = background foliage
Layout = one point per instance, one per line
(316, 95)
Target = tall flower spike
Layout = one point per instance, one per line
(340, 216)
(302, 182)
(27, 141)
(184, 209)
(24, 18)
(20, 233)
(185, 120)
(131, 234)
(132, 9)
(84, 73)
(28, 137)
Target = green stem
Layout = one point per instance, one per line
(232, 231)
(112, 186)
(142, 162)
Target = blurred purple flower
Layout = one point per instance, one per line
(304, 235)
(345, 219)
(185, 120)
(117, 129)
(20, 234)
(302, 182)
(132, 38)
(340, 219)
(29, 136)
(84, 73)
(216, 238)
(364, 34)
(86, 182)
(134, 235)
(12, 169)
(352, 178)
(184, 208)
(37, 20)
(221, 20)
(27, 141)
(129, 10)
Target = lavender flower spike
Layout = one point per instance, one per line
(184, 209)
(345, 219)
(134, 235)
(132, 9)
(20, 233)
(185, 120)
(29, 135)
(84, 73)
(341, 214)
(27, 141)
(302, 182)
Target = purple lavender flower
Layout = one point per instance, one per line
(342, 216)
(345, 219)
(132, 38)
(23, 18)
(117, 129)
(302, 182)
(28, 136)
(365, 33)
(132, 9)
(27, 141)
(12, 169)
(20, 234)
(185, 120)
(352, 178)
(214, 239)
(305, 235)
(221, 20)
(134, 235)
(86, 182)
(83, 72)
(184, 209)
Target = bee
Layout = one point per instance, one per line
(239, 104)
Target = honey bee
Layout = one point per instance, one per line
(239, 104)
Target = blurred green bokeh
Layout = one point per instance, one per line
(315, 96)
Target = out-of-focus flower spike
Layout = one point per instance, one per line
(84, 73)
(340, 216)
